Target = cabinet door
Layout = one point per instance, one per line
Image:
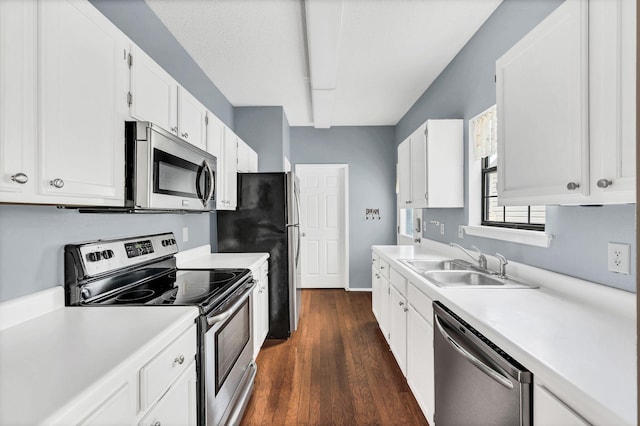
(18, 102)
(612, 89)
(398, 328)
(257, 317)
(375, 292)
(444, 164)
(404, 173)
(243, 156)
(82, 94)
(418, 166)
(153, 92)
(384, 318)
(117, 409)
(542, 97)
(548, 410)
(178, 405)
(420, 362)
(191, 119)
(253, 161)
(230, 171)
(264, 321)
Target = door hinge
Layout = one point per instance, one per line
(495, 78)
(388, 290)
(398, 229)
(426, 195)
(206, 120)
(129, 98)
(130, 60)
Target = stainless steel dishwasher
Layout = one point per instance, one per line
(476, 383)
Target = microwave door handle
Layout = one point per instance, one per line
(212, 183)
(198, 176)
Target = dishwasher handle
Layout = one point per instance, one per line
(495, 375)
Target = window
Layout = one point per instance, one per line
(406, 222)
(519, 217)
(484, 128)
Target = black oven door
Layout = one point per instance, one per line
(227, 359)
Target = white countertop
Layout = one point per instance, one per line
(583, 350)
(202, 258)
(48, 362)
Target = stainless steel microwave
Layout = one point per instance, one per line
(164, 172)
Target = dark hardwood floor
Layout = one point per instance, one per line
(336, 370)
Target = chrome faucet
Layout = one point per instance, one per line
(503, 265)
(482, 259)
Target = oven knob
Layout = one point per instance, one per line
(107, 254)
(173, 241)
(164, 243)
(94, 256)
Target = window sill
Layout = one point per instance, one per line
(520, 236)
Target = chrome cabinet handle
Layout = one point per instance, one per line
(572, 186)
(405, 309)
(174, 130)
(58, 183)
(157, 423)
(185, 135)
(178, 360)
(401, 303)
(20, 178)
(603, 183)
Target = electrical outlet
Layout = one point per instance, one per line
(460, 231)
(442, 229)
(618, 258)
(185, 234)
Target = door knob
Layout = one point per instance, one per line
(304, 234)
(603, 183)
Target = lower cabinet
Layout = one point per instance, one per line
(398, 339)
(384, 320)
(376, 286)
(260, 307)
(420, 360)
(158, 387)
(549, 410)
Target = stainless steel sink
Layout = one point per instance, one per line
(470, 279)
(423, 265)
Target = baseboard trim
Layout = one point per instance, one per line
(358, 289)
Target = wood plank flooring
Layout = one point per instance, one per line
(337, 369)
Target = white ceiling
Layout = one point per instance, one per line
(390, 51)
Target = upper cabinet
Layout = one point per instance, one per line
(247, 158)
(153, 95)
(192, 119)
(430, 166)
(63, 139)
(566, 108)
(223, 143)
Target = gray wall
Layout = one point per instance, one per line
(266, 130)
(140, 24)
(33, 239)
(370, 153)
(466, 88)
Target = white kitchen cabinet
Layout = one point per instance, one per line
(260, 307)
(404, 173)
(153, 92)
(376, 287)
(63, 82)
(178, 405)
(18, 102)
(117, 409)
(612, 101)
(420, 358)
(227, 184)
(192, 119)
(384, 320)
(543, 112)
(398, 327)
(247, 158)
(430, 166)
(82, 104)
(549, 410)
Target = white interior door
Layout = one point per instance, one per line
(324, 260)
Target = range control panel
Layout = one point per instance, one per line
(109, 255)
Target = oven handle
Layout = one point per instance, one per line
(228, 312)
(495, 375)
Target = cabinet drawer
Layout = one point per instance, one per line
(375, 260)
(421, 302)
(384, 269)
(399, 282)
(157, 375)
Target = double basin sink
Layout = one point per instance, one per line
(459, 273)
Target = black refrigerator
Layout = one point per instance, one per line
(266, 220)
